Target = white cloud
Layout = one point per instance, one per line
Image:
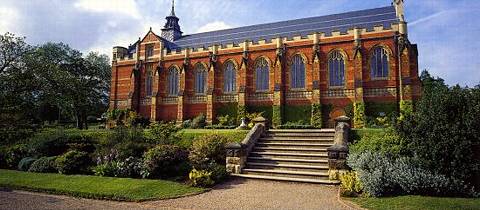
(124, 7)
(9, 19)
(213, 26)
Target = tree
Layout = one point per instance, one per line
(78, 86)
(17, 83)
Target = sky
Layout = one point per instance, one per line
(446, 31)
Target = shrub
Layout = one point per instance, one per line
(43, 165)
(14, 154)
(187, 124)
(200, 178)
(382, 175)
(226, 120)
(206, 149)
(105, 169)
(165, 161)
(387, 143)
(57, 142)
(73, 162)
(165, 133)
(218, 172)
(199, 121)
(25, 163)
(443, 130)
(351, 185)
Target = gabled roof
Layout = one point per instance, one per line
(385, 16)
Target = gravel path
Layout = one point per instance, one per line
(234, 194)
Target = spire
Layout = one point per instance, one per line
(172, 13)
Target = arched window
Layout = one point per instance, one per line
(200, 78)
(261, 73)
(173, 82)
(336, 69)
(379, 63)
(297, 72)
(149, 81)
(229, 77)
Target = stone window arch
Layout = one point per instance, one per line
(200, 72)
(297, 72)
(229, 77)
(149, 81)
(262, 74)
(379, 63)
(336, 69)
(173, 81)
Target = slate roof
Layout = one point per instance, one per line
(369, 18)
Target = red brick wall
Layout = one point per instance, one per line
(121, 72)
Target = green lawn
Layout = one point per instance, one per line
(417, 202)
(124, 189)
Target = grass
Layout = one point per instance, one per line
(122, 189)
(417, 202)
(358, 133)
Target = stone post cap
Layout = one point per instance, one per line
(259, 119)
(233, 145)
(342, 119)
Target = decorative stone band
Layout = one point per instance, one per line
(120, 103)
(306, 95)
(199, 99)
(375, 92)
(170, 100)
(227, 98)
(146, 101)
(340, 93)
(237, 153)
(260, 97)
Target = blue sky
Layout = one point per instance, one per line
(446, 31)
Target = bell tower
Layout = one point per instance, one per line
(171, 30)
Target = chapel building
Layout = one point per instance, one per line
(308, 70)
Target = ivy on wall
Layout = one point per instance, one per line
(229, 109)
(297, 114)
(373, 109)
(241, 113)
(359, 114)
(266, 110)
(316, 116)
(277, 115)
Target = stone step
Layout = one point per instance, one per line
(292, 161)
(291, 149)
(294, 144)
(293, 141)
(290, 155)
(301, 134)
(297, 138)
(287, 173)
(302, 130)
(289, 167)
(316, 181)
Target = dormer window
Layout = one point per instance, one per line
(149, 51)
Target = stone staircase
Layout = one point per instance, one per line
(291, 155)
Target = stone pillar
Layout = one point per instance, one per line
(181, 96)
(316, 116)
(242, 84)
(211, 86)
(337, 154)
(153, 108)
(278, 93)
(358, 104)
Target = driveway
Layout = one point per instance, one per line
(234, 194)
